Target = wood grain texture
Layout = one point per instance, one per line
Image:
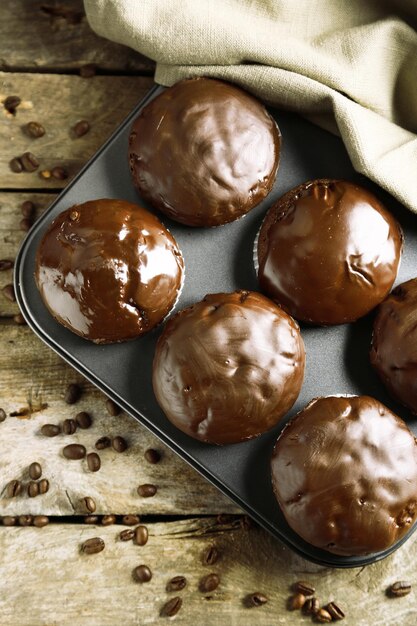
(59, 585)
(58, 103)
(55, 35)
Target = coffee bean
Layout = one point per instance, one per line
(9, 520)
(45, 174)
(72, 393)
(147, 491)
(335, 611)
(108, 520)
(210, 555)
(304, 587)
(5, 264)
(8, 292)
(130, 520)
(176, 584)
(27, 208)
(119, 444)
(256, 599)
(16, 165)
(59, 173)
(323, 616)
(93, 545)
(69, 426)
(112, 408)
(33, 489)
(81, 128)
(43, 486)
(141, 535)
(142, 574)
(209, 583)
(311, 606)
(127, 534)
(152, 456)
(171, 607)
(93, 461)
(11, 103)
(3, 415)
(91, 519)
(90, 505)
(25, 224)
(34, 129)
(50, 430)
(40, 521)
(103, 442)
(88, 70)
(29, 161)
(296, 602)
(25, 520)
(19, 319)
(399, 589)
(14, 488)
(74, 451)
(83, 419)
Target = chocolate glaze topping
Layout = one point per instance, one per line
(344, 472)
(108, 270)
(328, 252)
(204, 152)
(228, 368)
(394, 344)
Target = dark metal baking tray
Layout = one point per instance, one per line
(220, 259)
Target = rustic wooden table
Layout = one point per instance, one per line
(44, 578)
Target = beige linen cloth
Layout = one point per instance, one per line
(348, 65)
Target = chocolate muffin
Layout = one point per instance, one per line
(108, 270)
(394, 344)
(204, 152)
(328, 252)
(344, 472)
(228, 368)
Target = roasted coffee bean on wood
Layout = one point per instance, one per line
(147, 490)
(16, 165)
(256, 599)
(83, 419)
(35, 471)
(142, 574)
(119, 444)
(311, 606)
(209, 583)
(34, 130)
(399, 589)
(43, 486)
(25, 520)
(40, 521)
(176, 584)
(50, 430)
(152, 456)
(74, 451)
(81, 128)
(112, 408)
(296, 602)
(11, 103)
(90, 504)
(102, 443)
(108, 520)
(93, 461)
(210, 555)
(14, 488)
(93, 545)
(9, 520)
(27, 208)
(141, 535)
(335, 611)
(171, 607)
(69, 426)
(127, 534)
(29, 161)
(72, 393)
(3, 415)
(6, 264)
(304, 587)
(33, 489)
(130, 520)
(323, 616)
(91, 519)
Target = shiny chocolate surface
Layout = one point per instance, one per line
(108, 270)
(204, 152)
(344, 472)
(229, 367)
(394, 344)
(328, 252)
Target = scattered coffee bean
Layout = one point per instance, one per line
(5, 264)
(81, 128)
(119, 444)
(296, 602)
(323, 616)
(46, 174)
(127, 534)
(256, 599)
(90, 505)
(176, 584)
(59, 173)
(130, 520)
(16, 165)
(11, 103)
(14, 488)
(141, 535)
(25, 520)
(152, 456)
(88, 70)
(83, 419)
(210, 555)
(50, 430)
(304, 587)
(40, 521)
(399, 589)
(142, 574)
(171, 607)
(9, 520)
(34, 129)
(25, 224)
(108, 520)
(29, 161)
(93, 461)
(103, 442)
(69, 426)
(74, 451)
(335, 611)
(43, 486)
(27, 208)
(19, 319)
(93, 545)
(72, 393)
(209, 583)
(112, 408)
(311, 606)
(33, 489)
(3, 415)
(8, 292)
(147, 491)
(91, 519)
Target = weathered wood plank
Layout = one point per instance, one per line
(55, 35)
(58, 102)
(58, 585)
